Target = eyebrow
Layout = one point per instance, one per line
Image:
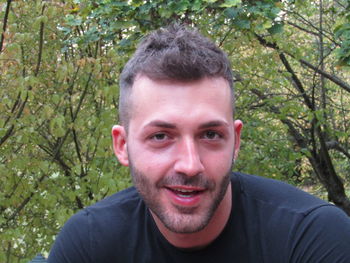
(168, 125)
(161, 124)
(212, 124)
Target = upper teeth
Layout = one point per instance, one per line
(184, 190)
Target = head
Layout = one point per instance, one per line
(177, 131)
(172, 53)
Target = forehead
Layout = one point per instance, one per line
(207, 98)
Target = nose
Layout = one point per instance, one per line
(189, 160)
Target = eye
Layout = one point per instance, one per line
(211, 135)
(159, 137)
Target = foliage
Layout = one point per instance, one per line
(59, 68)
(342, 33)
(57, 111)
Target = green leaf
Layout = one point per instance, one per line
(122, 24)
(181, 6)
(267, 24)
(231, 3)
(56, 126)
(276, 29)
(231, 13)
(197, 5)
(48, 111)
(72, 20)
(242, 24)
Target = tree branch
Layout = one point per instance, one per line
(319, 159)
(77, 148)
(302, 29)
(14, 188)
(10, 130)
(312, 32)
(327, 75)
(41, 42)
(321, 48)
(7, 11)
(25, 201)
(311, 24)
(57, 159)
(296, 81)
(8, 252)
(75, 137)
(336, 146)
(225, 36)
(7, 135)
(299, 138)
(75, 115)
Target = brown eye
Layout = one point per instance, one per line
(211, 135)
(159, 137)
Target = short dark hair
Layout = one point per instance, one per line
(172, 53)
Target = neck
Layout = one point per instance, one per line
(207, 235)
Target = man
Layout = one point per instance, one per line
(180, 140)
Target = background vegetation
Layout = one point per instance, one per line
(59, 67)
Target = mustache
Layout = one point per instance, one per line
(198, 180)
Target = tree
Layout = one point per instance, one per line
(319, 127)
(57, 107)
(59, 68)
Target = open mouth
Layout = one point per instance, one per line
(185, 192)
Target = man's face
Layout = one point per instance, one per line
(180, 147)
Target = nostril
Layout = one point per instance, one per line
(189, 160)
(189, 167)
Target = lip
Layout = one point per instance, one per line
(191, 200)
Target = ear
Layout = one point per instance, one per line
(237, 126)
(120, 144)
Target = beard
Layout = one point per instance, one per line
(181, 219)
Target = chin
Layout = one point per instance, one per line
(184, 223)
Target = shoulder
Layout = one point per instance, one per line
(322, 236)
(120, 200)
(288, 223)
(277, 194)
(96, 227)
(111, 208)
(115, 211)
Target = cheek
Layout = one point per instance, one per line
(218, 163)
(151, 162)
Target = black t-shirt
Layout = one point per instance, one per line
(270, 222)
